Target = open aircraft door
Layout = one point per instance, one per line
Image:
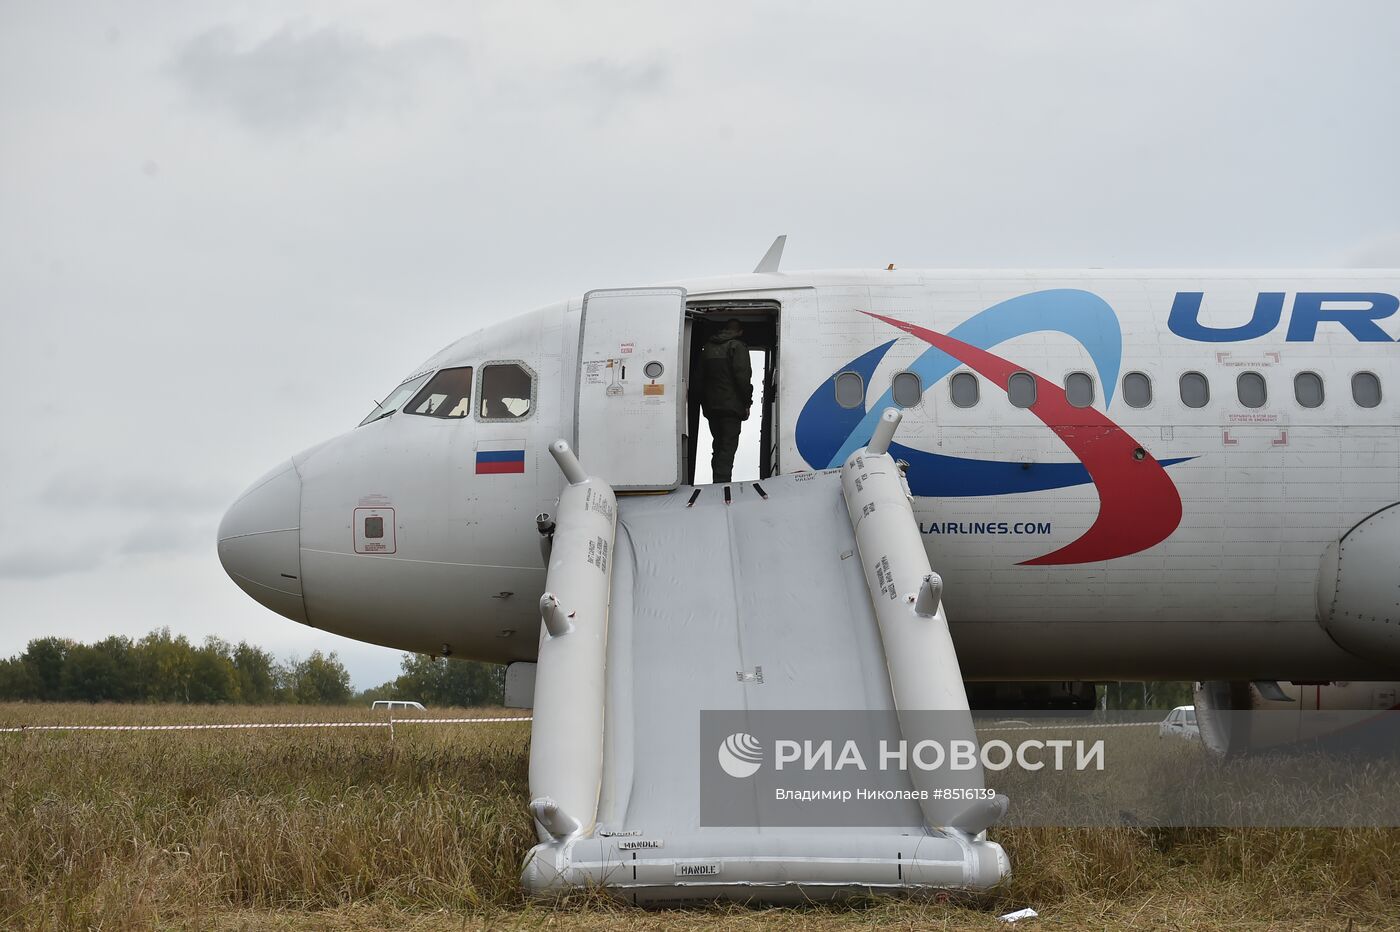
(631, 387)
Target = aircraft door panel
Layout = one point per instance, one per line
(629, 408)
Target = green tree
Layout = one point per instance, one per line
(45, 658)
(320, 679)
(101, 672)
(126, 683)
(1146, 695)
(256, 673)
(17, 680)
(368, 696)
(444, 681)
(213, 677)
(167, 666)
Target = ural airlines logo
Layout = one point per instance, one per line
(1139, 505)
(1355, 311)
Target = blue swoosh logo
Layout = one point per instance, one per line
(826, 433)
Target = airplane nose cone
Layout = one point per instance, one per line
(260, 542)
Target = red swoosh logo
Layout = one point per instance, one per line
(1139, 506)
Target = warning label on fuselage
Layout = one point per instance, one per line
(640, 844)
(696, 869)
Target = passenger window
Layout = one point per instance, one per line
(1366, 389)
(1307, 389)
(850, 390)
(907, 389)
(374, 527)
(1137, 389)
(449, 394)
(1020, 388)
(507, 391)
(964, 389)
(1079, 389)
(1251, 389)
(1195, 390)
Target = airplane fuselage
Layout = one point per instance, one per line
(1119, 475)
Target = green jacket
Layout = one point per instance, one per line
(728, 378)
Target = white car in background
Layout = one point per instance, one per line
(1180, 722)
(397, 704)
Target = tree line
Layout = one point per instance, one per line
(162, 667)
(443, 682)
(1148, 695)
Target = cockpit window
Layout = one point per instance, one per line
(396, 398)
(449, 394)
(507, 392)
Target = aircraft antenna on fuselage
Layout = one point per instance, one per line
(769, 263)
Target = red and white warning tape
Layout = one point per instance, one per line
(390, 723)
(1058, 726)
(387, 723)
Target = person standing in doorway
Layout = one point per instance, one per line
(728, 395)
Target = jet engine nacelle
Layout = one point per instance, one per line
(1239, 717)
(1358, 588)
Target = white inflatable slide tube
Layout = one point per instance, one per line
(907, 595)
(623, 810)
(566, 746)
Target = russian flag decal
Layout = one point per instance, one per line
(494, 458)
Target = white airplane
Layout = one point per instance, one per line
(1161, 475)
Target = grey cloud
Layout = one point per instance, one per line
(614, 81)
(168, 537)
(302, 79)
(116, 539)
(41, 564)
(137, 493)
(592, 91)
(1382, 252)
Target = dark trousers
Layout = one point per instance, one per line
(725, 430)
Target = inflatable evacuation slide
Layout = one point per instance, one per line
(806, 591)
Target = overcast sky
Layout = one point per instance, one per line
(225, 228)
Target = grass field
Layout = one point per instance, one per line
(348, 829)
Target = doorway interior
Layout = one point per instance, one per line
(757, 457)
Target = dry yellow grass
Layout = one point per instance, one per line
(346, 829)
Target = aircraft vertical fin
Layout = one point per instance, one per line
(768, 265)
